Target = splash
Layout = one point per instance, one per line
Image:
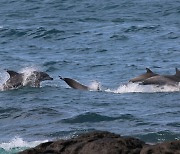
(19, 144)
(28, 76)
(27, 73)
(95, 86)
(3, 78)
(136, 88)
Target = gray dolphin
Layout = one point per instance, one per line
(172, 80)
(16, 80)
(36, 77)
(144, 76)
(160, 81)
(175, 77)
(74, 84)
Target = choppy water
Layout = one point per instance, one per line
(108, 42)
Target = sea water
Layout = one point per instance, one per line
(98, 43)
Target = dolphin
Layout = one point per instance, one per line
(172, 80)
(18, 80)
(74, 84)
(15, 80)
(160, 81)
(36, 77)
(175, 77)
(144, 76)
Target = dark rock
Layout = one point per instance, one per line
(162, 148)
(98, 142)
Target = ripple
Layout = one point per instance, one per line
(160, 136)
(68, 133)
(174, 124)
(49, 63)
(119, 37)
(45, 111)
(170, 35)
(8, 112)
(7, 32)
(47, 34)
(118, 20)
(141, 28)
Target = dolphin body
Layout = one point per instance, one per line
(175, 77)
(74, 84)
(144, 76)
(172, 80)
(16, 80)
(36, 77)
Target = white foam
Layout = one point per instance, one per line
(18, 142)
(136, 88)
(28, 71)
(95, 86)
(3, 78)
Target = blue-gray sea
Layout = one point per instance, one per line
(104, 42)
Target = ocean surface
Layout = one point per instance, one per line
(93, 42)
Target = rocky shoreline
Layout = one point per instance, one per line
(102, 142)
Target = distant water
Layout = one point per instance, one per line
(106, 42)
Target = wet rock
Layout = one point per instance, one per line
(98, 142)
(162, 148)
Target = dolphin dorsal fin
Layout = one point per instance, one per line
(177, 72)
(12, 73)
(148, 70)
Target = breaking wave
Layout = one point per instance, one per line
(17, 144)
(136, 88)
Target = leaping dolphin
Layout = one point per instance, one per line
(160, 81)
(144, 76)
(16, 80)
(74, 84)
(36, 77)
(172, 80)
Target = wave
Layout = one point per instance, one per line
(35, 33)
(17, 144)
(136, 88)
(141, 28)
(94, 117)
(46, 33)
(10, 32)
(160, 136)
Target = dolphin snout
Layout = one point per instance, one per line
(50, 78)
